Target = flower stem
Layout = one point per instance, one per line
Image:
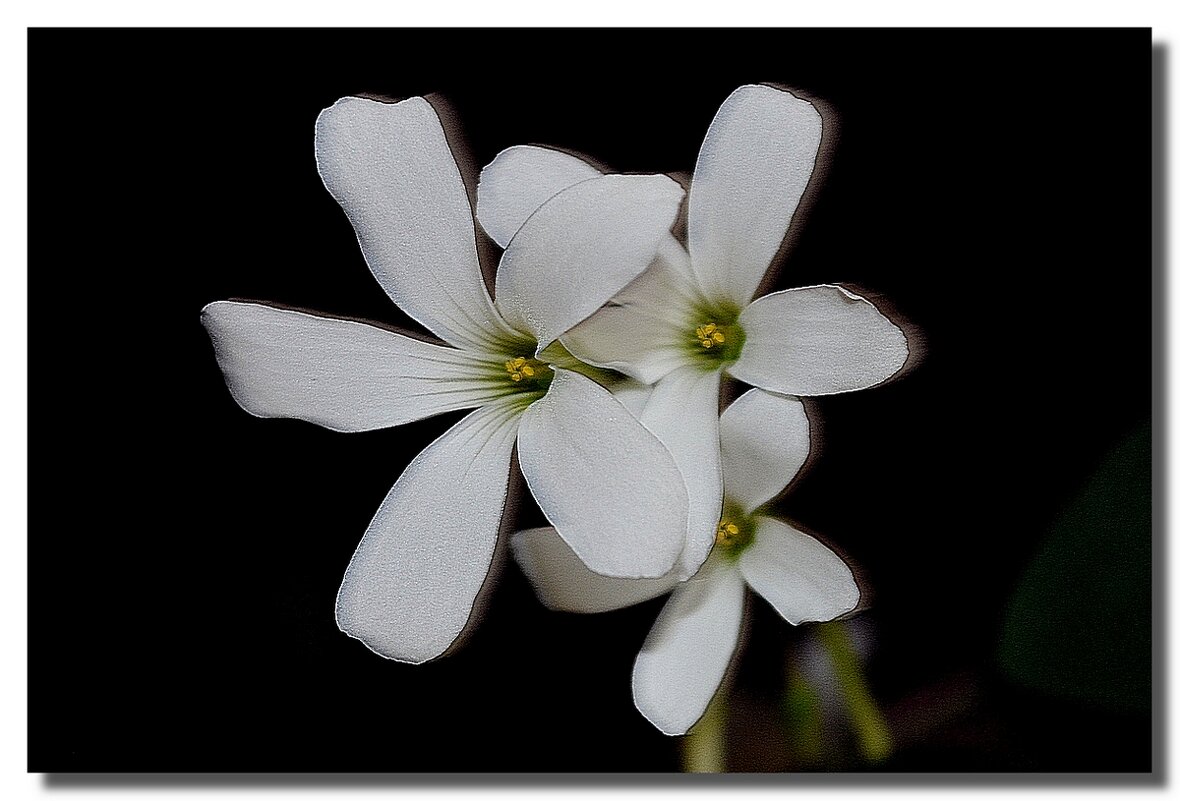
(804, 719)
(704, 745)
(871, 730)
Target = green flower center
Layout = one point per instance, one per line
(715, 338)
(525, 379)
(735, 532)
(528, 374)
(521, 376)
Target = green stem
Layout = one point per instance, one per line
(558, 356)
(868, 723)
(704, 745)
(804, 719)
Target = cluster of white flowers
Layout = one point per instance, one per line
(600, 361)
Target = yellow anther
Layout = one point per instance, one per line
(709, 335)
(727, 532)
(517, 368)
(521, 367)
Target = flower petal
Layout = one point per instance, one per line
(751, 172)
(390, 168)
(803, 580)
(564, 583)
(340, 374)
(817, 340)
(682, 412)
(608, 486)
(580, 248)
(685, 656)
(519, 181)
(643, 330)
(411, 585)
(765, 439)
(632, 394)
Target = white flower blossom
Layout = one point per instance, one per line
(693, 316)
(764, 442)
(607, 484)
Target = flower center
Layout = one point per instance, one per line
(528, 374)
(709, 335)
(715, 338)
(727, 533)
(735, 532)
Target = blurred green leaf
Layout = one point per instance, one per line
(1079, 622)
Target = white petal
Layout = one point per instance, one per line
(413, 580)
(519, 181)
(564, 583)
(751, 172)
(604, 481)
(674, 257)
(803, 580)
(817, 340)
(632, 394)
(580, 248)
(684, 659)
(682, 412)
(765, 439)
(390, 168)
(341, 374)
(643, 330)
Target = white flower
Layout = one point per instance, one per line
(607, 484)
(764, 442)
(691, 317)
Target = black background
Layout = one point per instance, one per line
(993, 186)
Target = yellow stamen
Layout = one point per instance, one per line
(727, 532)
(709, 335)
(513, 367)
(521, 367)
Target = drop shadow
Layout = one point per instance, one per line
(1159, 409)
